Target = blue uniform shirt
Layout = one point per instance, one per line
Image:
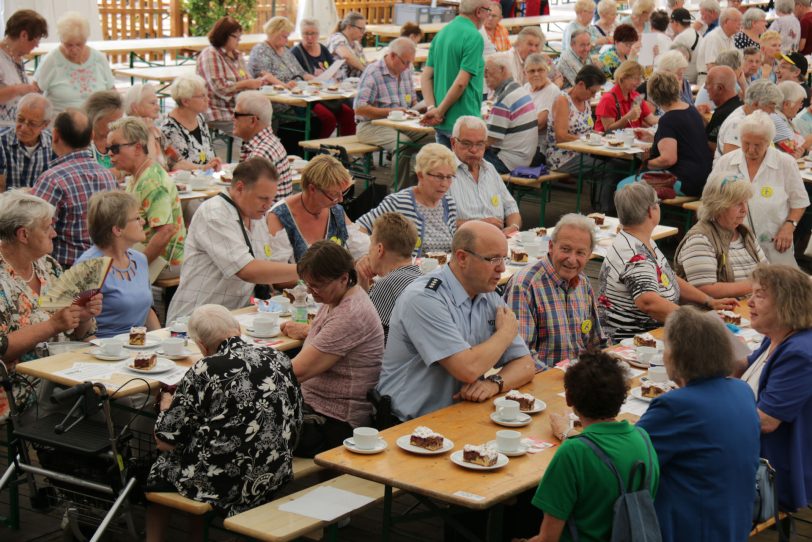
(433, 319)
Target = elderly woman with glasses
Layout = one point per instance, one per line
(779, 197)
(315, 213)
(103, 108)
(638, 288)
(543, 91)
(24, 29)
(190, 144)
(787, 137)
(340, 360)
(345, 43)
(623, 107)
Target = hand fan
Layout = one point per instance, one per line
(77, 285)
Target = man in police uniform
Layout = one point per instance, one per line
(450, 327)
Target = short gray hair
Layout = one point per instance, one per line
(135, 94)
(722, 190)
(784, 6)
(102, 103)
(763, 92)
(468, 121)
(256, 103)
(805, 3)
(210, 325)
(34, 99)
(732, 58)
(401, 46)
(579, 222)
(530, 32)
(468, 7)
(633, 202)
(72, 25)
(19, 209)
(537, 59)
(698, 345)
(758, 123)
(710, 5)
(500, 60)
(605, 6)
(752, 16)
(133, 129)
(729, 13)
(576, 33)
(671, 4)
(792, 91)
(186, 86)
(671, 62)
(314, 23)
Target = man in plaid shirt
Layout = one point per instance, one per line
(252, 124)
(26, 151)
(553, 300)
(69, 182)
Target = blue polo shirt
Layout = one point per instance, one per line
(433, 319)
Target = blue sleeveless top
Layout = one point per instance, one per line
(336, 228)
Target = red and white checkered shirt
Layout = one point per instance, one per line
(221, 72)
(267, 145)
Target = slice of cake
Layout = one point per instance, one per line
(597, 218)
(541, 232)
(138, 336)
(423, 437)
(654, 389)
(645, 339)
(525, 400)
(438, 255)
(145, 361)
(479, 455)
(519, 256)
(730, 317)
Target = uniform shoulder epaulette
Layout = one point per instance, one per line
(433, 283)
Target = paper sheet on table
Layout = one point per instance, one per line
(646, 55)
(330, 72)
(326, 503)
(634, 406)
(89, 371)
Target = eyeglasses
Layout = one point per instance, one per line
(334, 198)
(407, 64)
(493, 260)
(441, 177)
(115, 148)
(472, 144)
(135, 219)
(361, 28)
(238, 114)
(235, 36)
(30, 123)
(489, 10)
(310, 33)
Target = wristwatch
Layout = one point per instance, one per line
(793, 222)
(496, 379)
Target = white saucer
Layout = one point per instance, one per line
(96, 353)
(124, 339)
(184, 354)
(521, 421)
(251, 333)
(397, 120)
(501, 461)
(403, 443)
(538, 406)
(588, 142)
(162, 366)
(520, 451)
(349, 444)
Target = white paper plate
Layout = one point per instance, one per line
(521, 421)
(501, 461)
(538, 406)
(521, 450)
(637, 393)
(96, 353)
(380, 446)
(185, 353)
(162, 366)
(403, 443)
(630, 342)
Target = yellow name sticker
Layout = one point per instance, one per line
(202, 157)
(766, 191)
(586, 326)
(419, 243)
(267, 251)
(408, 99)
(664, 279)
(495, 200)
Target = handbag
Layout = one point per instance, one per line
(662, 182)
(766, 503)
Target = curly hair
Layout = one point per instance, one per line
(596, 386)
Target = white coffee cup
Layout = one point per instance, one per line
(183, 176)
(533, 249)
(508, 440)
(428, 265)
(527, 237)
(111, 347)
(198, 182)
(507, 410)
(173, 346)
(645, 354)
(266, 323)
(397, 115)
(301, 84)
(595, 138)
(365, 438)
(657, 373)
(627, 137)
(283, 302)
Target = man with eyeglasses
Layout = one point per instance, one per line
(69, 182)
(450, 327)
(386, 85)
(26, 151)
(529, 40)
(478, 190)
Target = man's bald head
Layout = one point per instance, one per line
(721, 84)
(471, 235)
(72, 127)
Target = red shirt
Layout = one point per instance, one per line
(607, 107)
(806, 33)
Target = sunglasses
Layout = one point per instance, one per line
(115, 148)
(238, 114)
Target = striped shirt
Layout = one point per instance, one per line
(483, 198)
(12, 72)
(386, 291)
(513, 121)
(20, 165)
(698, 258)
(431, 235)
(629, 270)
(379, 88)
(68, 185)
(221, 72)
(267, 145)
(558, 319)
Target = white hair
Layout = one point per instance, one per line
(606, 6)
(671, 62)
(576, 34)
(791, 91)
(752, 16)
(314, 23)
(763, 92)
(710, 5)
(256, 103)
(136, 94)
(732, 58)
(402, 46)
(72, 25)
(34, 99)
(210, 325)
(469, 7)
(499, 60)
(785, 6)
(730, 13)
(578, 221)
(186, 86)
(470, 122)
(530, 31)
(758, 123)
(19, 209)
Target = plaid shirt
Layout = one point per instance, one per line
(267, 145)
(21, 168)
(557, 320)
(221, 72)
(500, 38)
(68, 185)
(379, 88)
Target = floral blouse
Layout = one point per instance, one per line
(284, 67)
(580, 123)
(337, 40)
(234, 422)
(195, 147)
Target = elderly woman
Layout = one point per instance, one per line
(73, 71)
(638, 289)
(754, 24)
(315, 213)
(623, 107)
(771, 51)
(542, 90)
(780, 376)
(779, 197)
(222, 66)
(675, 63)
(706, 434)
(428, 204)
(340, 360)
(412, 31)
(679, 144)
(115, 226)
(719, 252)
(141, 101)
(23, 31)
(626, 46)
(159, 204)
(103, 108)
(583, 16)
(227, 434)
(189, 142)
(345, 43)
(603, 29)
(787, 137)
(640, 15)
(311, 54)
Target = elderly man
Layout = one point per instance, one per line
(793, 67)
(686, 36)
(513, 135)
(455, 70)
(576, 57)
(252, 124)
(450, 328)
(709, 11)
(227, 434)
(477, 189)
(26, 151)
(530, 40)
(227, 251)
(496, 36)
(721, 85)
(553, 299)
(764, 95)
(716, 41)
(386, 85)
(69, 182)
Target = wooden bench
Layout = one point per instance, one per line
(519, 186)
(269, 523)
(349, 143)
(679, 208)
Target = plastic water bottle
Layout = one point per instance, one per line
(299, 310)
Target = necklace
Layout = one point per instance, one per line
(315, 215)
(19, 275)
(144, 165)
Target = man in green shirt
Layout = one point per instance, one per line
(453, 77)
